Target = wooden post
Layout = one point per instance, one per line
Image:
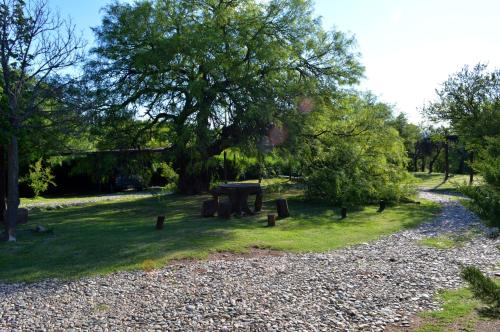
(446, 160)
(259, 161)
(159, 222)
(271, 220)
(381, 206)
(343, 213)
(282, 208)
(3, 186)
(471, 170)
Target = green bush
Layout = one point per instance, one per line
(39, 178)
(168, 173)
(485, 201)
(483, 288)
(351, 175)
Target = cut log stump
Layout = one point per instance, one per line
(224, 210)
(271, 220)
(159, 222)
(343, 213)
(22, 216)
(209, 208)
(381, 206)
(282, 208)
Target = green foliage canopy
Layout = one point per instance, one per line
(219, 72)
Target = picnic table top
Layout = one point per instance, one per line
(240, 186)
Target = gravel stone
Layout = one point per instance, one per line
(363, 288)
(54, 204)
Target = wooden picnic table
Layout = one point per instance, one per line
(238, 196)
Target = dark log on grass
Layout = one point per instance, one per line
(159, 222)
(282, 208)
(343, 213)
(224, 210)
(209, 208)
(271, 220)
(381, 206)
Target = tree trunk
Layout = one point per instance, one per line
(12, 187)
(225, 167)
(415, 159)
(446, 161)
(433, 160)
(3, 187)
(259, 161)
(422, 167)
(191, 182)
(471, 170)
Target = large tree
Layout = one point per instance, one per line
(219, 72)
(36, 45)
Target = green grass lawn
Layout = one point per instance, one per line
(460, 312)
(119, 235)
(435, 182)
(447, 241)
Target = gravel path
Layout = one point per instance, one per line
(59, 204)
(364, 287)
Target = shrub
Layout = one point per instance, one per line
(485, 201)
(168, 173)
(348, 175)
(39, 178)
(483, 288)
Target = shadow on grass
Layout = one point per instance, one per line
(120, 235)
(109, 237)
(489, 312)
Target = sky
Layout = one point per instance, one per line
(408, 47)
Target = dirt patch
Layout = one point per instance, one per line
(231, 256)
(415, 323)
(474, 323)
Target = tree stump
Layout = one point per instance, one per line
(258, 202)
(209, 208)
(282, 208)
(343, 213)
(224, 210)
(381, 206)
(159, 222)
(271, 220)
(22, 216)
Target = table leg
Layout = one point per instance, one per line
(258, 202)
(244, 204)
(235, 199)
